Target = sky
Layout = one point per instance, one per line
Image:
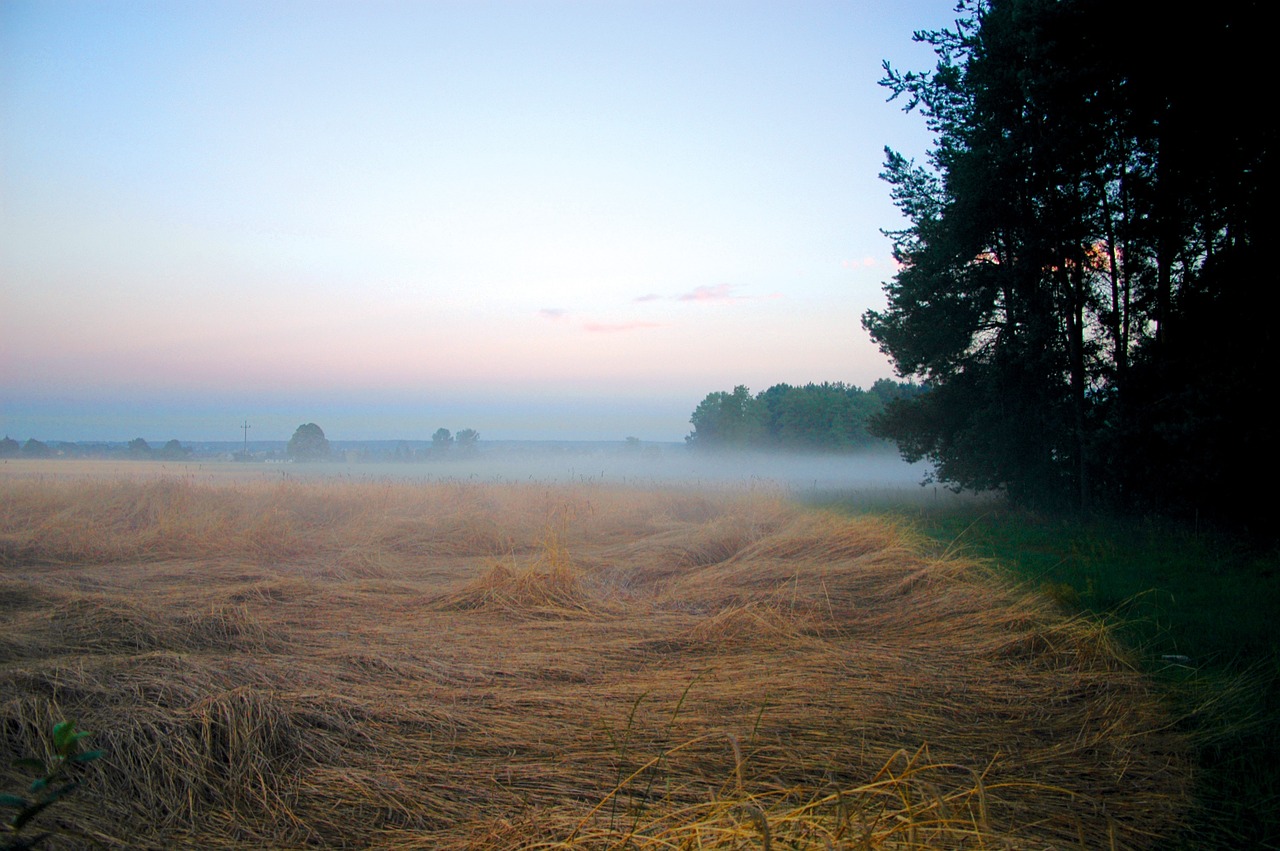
(540, 220)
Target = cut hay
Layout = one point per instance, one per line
(375, 665)
(517, 591)
(755, 622)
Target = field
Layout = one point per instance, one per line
(1199, 607)
(272, 662)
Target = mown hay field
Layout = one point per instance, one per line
(377, 664)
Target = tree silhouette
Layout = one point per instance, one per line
(467, 439)
(174, 451)
(308, 443)
(36, 449)
(1076, 277)
(442, 440)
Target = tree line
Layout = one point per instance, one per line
(310, 444)
(173, 450)
(1083, 282)
(816, 417)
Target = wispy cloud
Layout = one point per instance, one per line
(721, 293)
(865, 263)
(553, 313)
(616, 327)
(708, 292)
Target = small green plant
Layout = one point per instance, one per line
(53, 781)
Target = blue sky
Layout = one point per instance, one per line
(539, 220)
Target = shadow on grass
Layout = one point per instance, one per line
(1201, 609)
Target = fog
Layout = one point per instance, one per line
(648, 464)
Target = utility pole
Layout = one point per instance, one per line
(246, 427)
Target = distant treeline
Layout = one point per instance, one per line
(307, 444)
(827, 417)
(136, 448)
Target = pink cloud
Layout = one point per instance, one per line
(866, 262)
(614, 327)
(707, 292)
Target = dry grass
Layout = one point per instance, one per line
(365, 664)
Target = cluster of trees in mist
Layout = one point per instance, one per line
(816, 417)
(10, 448)
(171, 451)
(465, 440)
(1084, 286)
(309, 444)
(136, 448)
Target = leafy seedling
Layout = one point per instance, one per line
(53, 780)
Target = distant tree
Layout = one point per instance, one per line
(9, 447)
(442, 440)
(174, 451)
(632, 444)
(308, 443)
(467, 439)
(36, 449)
(139, 448)
(723, 420)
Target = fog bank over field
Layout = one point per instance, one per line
(588, 463)
(666, 464)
